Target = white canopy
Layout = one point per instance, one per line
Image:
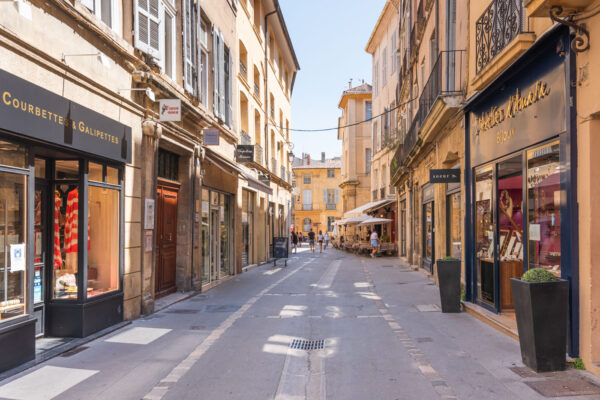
(356, 220)
(365, 207)
(370, 221)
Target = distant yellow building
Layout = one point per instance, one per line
(318, 204)
(356, 146)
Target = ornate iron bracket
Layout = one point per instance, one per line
(581, 41)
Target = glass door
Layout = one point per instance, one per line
(215, 258)
(484, 235)
(13, 195)
(428, 236)
(40, 253)
(224, 224)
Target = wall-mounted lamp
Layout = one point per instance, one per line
(148, 92)
(101, 57)
(291, 156)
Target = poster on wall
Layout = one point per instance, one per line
(17, 257)
(170, 110)
(149, 214)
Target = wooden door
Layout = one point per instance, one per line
(166, 239)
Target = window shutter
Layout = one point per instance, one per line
(189, 70)
(324, 196)
(337, 196)
(199, 34)
(221, 77)
(147, 26)
(230, 91)
(215, 51)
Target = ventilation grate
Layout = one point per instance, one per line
(308, 345)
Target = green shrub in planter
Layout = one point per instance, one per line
(538, 275)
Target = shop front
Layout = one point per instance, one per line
(61, 218)
(427, 224)
(521, 205)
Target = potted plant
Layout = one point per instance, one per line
(541, 305)
(448, 271)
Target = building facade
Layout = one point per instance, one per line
(83, 127)
(356, 140)
(318, 203)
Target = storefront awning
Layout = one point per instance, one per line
(383, 203)
(356, 220)
(364, 208)
(221, 161)
(372, 221)
(256, 184)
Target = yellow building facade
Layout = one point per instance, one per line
(355, 183)
(318, 202)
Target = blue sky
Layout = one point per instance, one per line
(329, 38)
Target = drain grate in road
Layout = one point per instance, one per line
(211, 308)
(74, 351)
(197, 328)
(183, 311)
(424, 340)
(564, 387)
(308, 345)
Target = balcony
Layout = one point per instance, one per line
(307, 207)
(499, 24)
(331, 206)
(245, 138)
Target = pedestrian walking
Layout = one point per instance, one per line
(294, 242)
(326, 240)
(311, 240)
(320, 239)
(300, 237)
(374, 243)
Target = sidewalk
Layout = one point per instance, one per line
(463, 349)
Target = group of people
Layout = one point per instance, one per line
(323, 240)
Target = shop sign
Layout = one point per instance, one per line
(244, 153)
(526, 108)
(170, 110)
(211, 137)
(30, 110)
(444, 175)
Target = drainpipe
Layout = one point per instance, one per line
(267, 116)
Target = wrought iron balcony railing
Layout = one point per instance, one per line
(499, 24)
(307, 207)
(245, 139)
(331, 206)
(243, 70)
(445, 79)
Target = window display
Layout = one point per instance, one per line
(454, 246)
(484, 234)
(103, 234)
(205, 236)
(66, 221)
(12, 243)
(544, 201)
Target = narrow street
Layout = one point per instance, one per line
(378, 323)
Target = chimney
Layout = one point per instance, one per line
(303, 157)
(308, 159)
(322, 156)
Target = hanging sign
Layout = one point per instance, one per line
(17, 257)
(211, 137)
(264, 178)
(444, 175)
(244, 153)
(33, 111)
(170, 110)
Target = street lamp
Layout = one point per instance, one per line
(291, 157)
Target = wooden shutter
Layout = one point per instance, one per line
(229, 107)
(215, 51)
(337, 196)
(199, 33)
(221, 76)
(147, 26)
(189, 51)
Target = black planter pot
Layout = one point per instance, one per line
(449, 279)
(542, 313)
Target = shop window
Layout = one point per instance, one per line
(205, 236)
(40, 168)
(168, 165)
(67, 170)
(403, 228)
(484, 234)
(13, 154)
(331, 173)
(454, 224)
(103, 240)
(12, 241)
(544, 201)
(112, 175)
(66, 239)
(95, 172)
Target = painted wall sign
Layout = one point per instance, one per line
(444, 175)
(211, 137)
(169, 110)
(525, 108)
(244, 153)
(30, 110)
